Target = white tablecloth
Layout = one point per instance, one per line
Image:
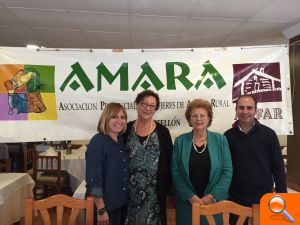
(80, 193)
(73, 163)
(14, 189)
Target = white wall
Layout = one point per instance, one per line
(282, 140)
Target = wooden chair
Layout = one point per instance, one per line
(225, 208)
(60, 202)
(29, 151)
(5, 165)
(47, 174)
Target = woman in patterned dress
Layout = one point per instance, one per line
(150, 147)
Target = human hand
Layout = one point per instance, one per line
(103, 219)
(208, 199)
(195, 198)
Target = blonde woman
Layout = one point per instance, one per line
(107, 167)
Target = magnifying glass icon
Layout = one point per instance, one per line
(277, 205)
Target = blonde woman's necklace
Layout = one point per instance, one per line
(195, 147)
(144, 142)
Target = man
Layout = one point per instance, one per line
(256, 156)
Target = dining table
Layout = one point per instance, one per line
(14, 189)
(73, 163)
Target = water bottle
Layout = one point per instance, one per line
(69, 148)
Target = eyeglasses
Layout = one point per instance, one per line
(146, 106)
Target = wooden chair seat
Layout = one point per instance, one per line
(225, 208)
(50, 178)
(60, 202)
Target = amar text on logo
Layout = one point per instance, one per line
(147, 77)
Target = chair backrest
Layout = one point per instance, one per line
(50, 164)
(60, 202)
(28, 156)
(5, 165)
(225, 208)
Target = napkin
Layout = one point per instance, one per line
(83, 148)
(50, 151)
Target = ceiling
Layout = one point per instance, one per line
(146, 23)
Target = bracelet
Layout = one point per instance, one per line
(100, 212)
(214, 200)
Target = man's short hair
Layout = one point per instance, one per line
(245, 96)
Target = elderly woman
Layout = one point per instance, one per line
(150, 146)
(201, 163)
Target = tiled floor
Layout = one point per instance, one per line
(292, 191)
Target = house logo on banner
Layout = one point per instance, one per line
(262, 80)
(27, 92)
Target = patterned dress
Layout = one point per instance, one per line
(143, 204)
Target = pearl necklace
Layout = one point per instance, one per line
(195, 147)
(144, 142)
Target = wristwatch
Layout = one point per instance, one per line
(100, 212)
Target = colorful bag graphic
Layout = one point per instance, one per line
(26, 90)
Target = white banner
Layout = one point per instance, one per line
(60, 94)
